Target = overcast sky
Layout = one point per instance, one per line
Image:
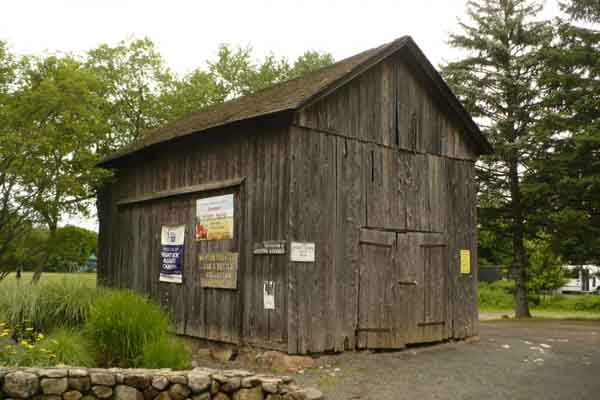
(187, 33)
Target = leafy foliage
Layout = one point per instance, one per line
(546, 269)
(60, 113)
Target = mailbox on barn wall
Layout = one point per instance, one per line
(330, 212)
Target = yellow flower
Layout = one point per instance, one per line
(40, 336)
(29, 329)
(2, 334)
(24, 342)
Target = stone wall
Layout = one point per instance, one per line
(138, 384)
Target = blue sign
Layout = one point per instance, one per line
(171, 253)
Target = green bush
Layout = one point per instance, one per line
(121, 324)
(165, 352)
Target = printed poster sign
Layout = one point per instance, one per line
(269, 295)
(171, 253)
(214, 218)
(302, 252)
(218, 270)
(465, 261)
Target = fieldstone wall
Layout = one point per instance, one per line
(138, 384)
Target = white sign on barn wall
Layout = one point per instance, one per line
(302, 252)
(269, 295)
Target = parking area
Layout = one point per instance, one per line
(536, 359)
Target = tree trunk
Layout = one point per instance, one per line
(520, 262)
(52, 227)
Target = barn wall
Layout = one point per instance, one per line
(130, 234)
(356, 165)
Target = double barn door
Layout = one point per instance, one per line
(403, 292)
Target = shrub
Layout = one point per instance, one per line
(165, 352)
(121, 323)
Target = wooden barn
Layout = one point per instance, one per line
(334, 211)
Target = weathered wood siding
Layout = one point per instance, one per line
(130, 234)
(381, 153)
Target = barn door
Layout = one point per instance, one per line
(213, 304)
(380, 302)
(423, 264)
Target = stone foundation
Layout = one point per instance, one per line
(143, 384)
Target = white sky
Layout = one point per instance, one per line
(187, 33)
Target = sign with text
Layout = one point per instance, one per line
(465, 261)
(214, 218)
(270, 247)
(302, 252)
(218, 270)
(171, 253)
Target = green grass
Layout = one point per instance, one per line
(496, 300)
(85, 278)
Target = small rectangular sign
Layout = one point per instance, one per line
(302, 252)
(218, 270)
(269, 295)
(171, 253)
(270, 247)
(214, 218)
(465, 261)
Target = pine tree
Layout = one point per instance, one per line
(498, 81)
(566, 182)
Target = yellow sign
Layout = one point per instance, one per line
(465, 261)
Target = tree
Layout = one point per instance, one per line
(546, 268)
(133, 76)
(310, 61)
(70, 248)
(566, 180)
(18, 194)
(586, 10)
(60, 125)
(234, 73)
(498, 82)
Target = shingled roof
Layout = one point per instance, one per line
(295, 94)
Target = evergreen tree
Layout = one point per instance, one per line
(566, 182)
(498, 81)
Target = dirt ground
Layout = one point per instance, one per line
(537, 359)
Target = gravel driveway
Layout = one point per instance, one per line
(538, 359)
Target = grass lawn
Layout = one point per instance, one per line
(87, 278)
(490, 314)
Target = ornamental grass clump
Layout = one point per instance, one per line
(46, 306)
(165, 352)
(121, 324)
